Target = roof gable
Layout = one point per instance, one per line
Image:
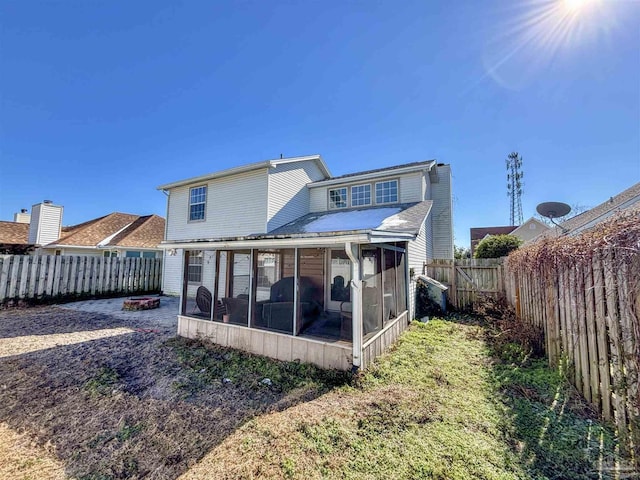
(115, 229)
(248, 168)
(539, 225)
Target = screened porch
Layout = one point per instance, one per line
(301, 292)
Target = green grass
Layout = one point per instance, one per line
(441, 405)
(206, 364)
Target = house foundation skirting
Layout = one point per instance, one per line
(330, 355)
(375, 346)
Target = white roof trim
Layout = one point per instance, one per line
(316, 241)
(247, 168)
(371, 175)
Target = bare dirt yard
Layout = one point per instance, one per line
(89, 395)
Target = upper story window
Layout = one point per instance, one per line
(197, 203)
(338, 198)
(360, 195)
(387, 192)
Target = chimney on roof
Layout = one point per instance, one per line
(22, 217)
(45, 224)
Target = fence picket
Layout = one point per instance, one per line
(24, 276)
(4, 278)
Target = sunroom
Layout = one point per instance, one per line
(329, 288)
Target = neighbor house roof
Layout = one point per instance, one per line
(629, 199)
(626, 199)
(14, 233)
(372, 224)
(478, 233)
(248, 168)
(114, 230)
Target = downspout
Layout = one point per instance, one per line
(164, 252)
(352, 252)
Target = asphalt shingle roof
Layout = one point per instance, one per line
(385, 169)
(126, 230)
(14, 233)
(403, 218)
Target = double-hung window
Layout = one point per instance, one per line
(360, 195)
(387, 192)
(338, 198)
(197, 203)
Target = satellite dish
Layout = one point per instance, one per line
(553, 210)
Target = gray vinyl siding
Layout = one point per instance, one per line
(411, 188)
(288, 192)
(429, 236)
(416, 256)
(318, 199)
(235, 205)
(442, 215)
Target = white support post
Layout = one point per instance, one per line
(353, 252)
(296, 287)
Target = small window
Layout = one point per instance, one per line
(360, 195)
(197, 202)
(532, 226)
(387, 192)
(148, 254)
(338, 198)
(108, 254)
(194, 273)
(132, 254)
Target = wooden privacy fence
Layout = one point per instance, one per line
(585, 297)
(48, 276)
(468, 279)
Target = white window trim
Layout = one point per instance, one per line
(372, 185)
(370, 194)
(206, 196)
(191, 256)
(375, 194)
(347, 197)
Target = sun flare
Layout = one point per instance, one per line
(541, 31)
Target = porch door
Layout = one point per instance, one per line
(338, 280)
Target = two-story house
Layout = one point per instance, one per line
(282, 259)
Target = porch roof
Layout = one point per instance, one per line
(358, 225)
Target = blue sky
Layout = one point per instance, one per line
(102, 101)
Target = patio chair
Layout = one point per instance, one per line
(203, 300)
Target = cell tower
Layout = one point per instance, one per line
(514, 187)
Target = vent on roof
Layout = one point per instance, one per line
(47, 202)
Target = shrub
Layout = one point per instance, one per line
(497, 246)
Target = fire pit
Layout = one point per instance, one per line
(141, 303)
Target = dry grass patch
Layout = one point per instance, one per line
(22, 459)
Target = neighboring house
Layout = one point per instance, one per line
(14, 238)
(114, 235)
(629, 199)
(525, 232)
(281, 259)
(530, 229)
(480, 233)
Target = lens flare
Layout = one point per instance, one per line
(537, 31)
